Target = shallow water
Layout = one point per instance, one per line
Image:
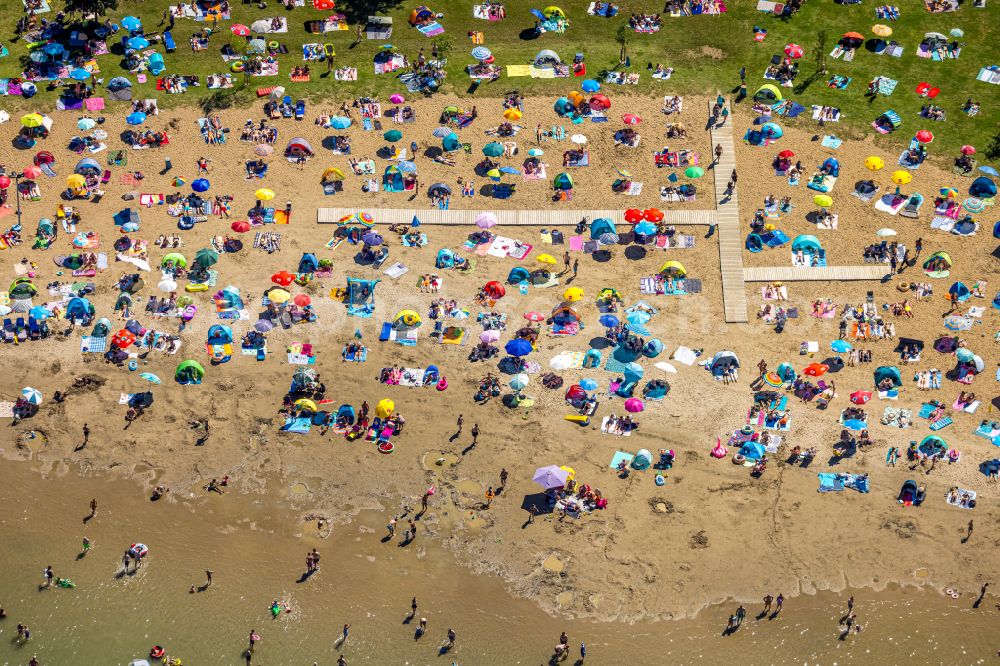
(256, 548)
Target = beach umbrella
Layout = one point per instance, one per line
(573, 294)
(578, 139)
(534, 316)
(608, 320)
(964, 355)
(137, 43)
(989, 170)
(816, 369)
(324, 5)
(546, 259)
(512, 114)
(136, 118)
(773, 379)
(772, 130)
(633, 215)
(441, 132)
(874, 163)
(881, 30)
(393, 135)
(385, 408)
(176, 258)
(786, 154)
(590, 85)
(481, 53)
(284, 278)
(200, 185)
(631, 119)
(149, 377)
(666, 367)
(885, 232)
(840, 346)
(493, 149)
(861, 397)
(32, 120)
(925, 136)
(240, 30)
(39, 312)
(974, 205)
(588, 384)
(178, 181)
(494, 174)
(53, 48)
(694, 172)
(510, 170)
(536, 152)
(38, 56)
(645, 228)
(968, 150)
(99, 134)
(372, 239)
(263, 150)
(256, 45)
(794, 51)
(263, 325)
(80, 74)
(131, 23)
(949, 192)
(86, 123)
(240, 226)
(167, 285)
(278, 296)
(634, 405)
(277, 93)
(264, 194)
(406, 166)
(4, 182)
(340, 122)
(633, 370)
(302, 300)
(206, 257)
(957, 32)
(823, 200)
(624, 173)
(490, 336)
(486, 220)
(519, 381)
(901, 177)
(76, 180)
(652, 215)
(32, 172)
(32, 395)
(396, 98)
(638, 318)
(550, 476)
(518, 347)
(761, 120)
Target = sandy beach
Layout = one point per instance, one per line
(711, 533)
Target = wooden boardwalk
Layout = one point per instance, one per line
(824, 274)
(734, 298)
(510, 217)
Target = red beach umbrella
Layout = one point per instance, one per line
(966, 150)
(284, 278)
(302, 300)
(925, 136)
(240, 226)
(794, 51)
(786, 154)
(633, 215)
(240, 30)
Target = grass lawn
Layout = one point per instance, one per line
(705, 51)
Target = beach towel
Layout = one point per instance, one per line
(519, 70)
(962, 498)
(619, 457)
(297, 424)
(831, 141)
(396, 270)
(941, 423)
(90, 344)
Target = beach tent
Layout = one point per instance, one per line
(219, 343)
(673, 269)
(392, 179)
(22, 289)
(79, 310)
(565, 320)
(119, 89)
(563, 106)
(406, 319)
(601, 226)
(421, 15)
(563, 182)
(831, 166)
(786, 372)
(553, 12)
(518, 274)
(932, 444)
(439, 190)
(88, 166)
(888, 121)
(806, 243)
(546, 59)
(960, 291)
(332, 175)
(754, 243)
(451, 144)
(888, 372)
(298, 147)
(189, 372)
(308, 263)
(360, 292)
(655, 389)
(996, 230)
(938, 264)
(723, 361)
(494, 290)
(752, 450)
(768, 93)
(983, 188)
(643, 460)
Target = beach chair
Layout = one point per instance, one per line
(34, 330)
(168, 42)
(8, 330)
(287, 110)
(20, 330)
(300, 109)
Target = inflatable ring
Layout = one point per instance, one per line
(238, 67)
(903, 287)
(195, 287)
(185, 225)
(443, 384)
(739, 459)
(954, 595)
(157, 652)
(949, 591)
(273, 45)
(386, 447)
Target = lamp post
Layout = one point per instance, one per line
(17, 194)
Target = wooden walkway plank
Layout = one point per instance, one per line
(510, 217)
(734, 298)
(825, 273)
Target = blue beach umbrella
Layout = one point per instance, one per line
(518, 347)
(38, 56)
(86, 123)
(137, 43)
(150, 377)
(590, 85)
(840, 346)
(200, 185)
(990, 170)
(53, 48)
(131, 23)
(441, 132)
(80, 74)
(633, 371)
(609, 321)
(510, 170)
(481, 53)
(406, 166)
(588, 384)
(340, 122)
(39, 312)
(645, 228)
(136, 118)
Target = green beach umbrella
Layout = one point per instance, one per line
(694, 172)
(493, 149)
(393, 135)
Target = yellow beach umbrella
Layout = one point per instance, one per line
(882, 30)
(901, 177)
(573, 294)
(822, 200)
(278, 296)
(32, 120)
(546, 259)
(264, 194)
(76, 180)
(512, 114)
(385, 408)
(874, 163)
(307, 404)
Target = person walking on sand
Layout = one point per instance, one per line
(208, 578)
(475, 434)
(969, 533)
(779, 601)
(566, 262)
(741, 614)
(850, 604)
(391, 527)
(86, 435)
(718, 152)
(413, 607)
(86, 546)
(48, 576)
(413, 530)
(423, 500)
(767, 603)
(451, 638)
(576, 267)
(503, 478)
(93, 508)
(489, 496)
(762, 366)
(459, 422)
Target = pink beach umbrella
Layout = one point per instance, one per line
(240, 30)
(794, 51)
(489, 337)
(634, 405)
(396, 98)
(486, 220)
